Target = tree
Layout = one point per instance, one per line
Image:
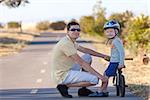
(59, 25)
(13, 3)
(127, 15)
(87, 24)
(13, 25)
(138, 34)
(99, 15)
(44, 25)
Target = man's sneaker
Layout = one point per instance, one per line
(63, 89)
(105, 94)
(99, 94)
(84, 91)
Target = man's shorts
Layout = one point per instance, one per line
(112, 68)
(75, 75)
(80, 76)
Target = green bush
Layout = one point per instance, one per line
(138, 34)
(13, 24)
(60, 25)
(93, 24)
(87, 24)
(44, 25)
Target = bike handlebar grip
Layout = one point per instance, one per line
(128, 58)
(108, 59)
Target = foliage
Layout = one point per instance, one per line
(138, 33)
(13, 25)
(13, 3)
(60, 25)
(100, 21)
(43, 25)
(93, 24)
(87, 24)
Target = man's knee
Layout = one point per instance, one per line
(87, 58)
(94, 80)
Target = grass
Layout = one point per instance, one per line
(13, 42)
(137, 74)
(9, 49)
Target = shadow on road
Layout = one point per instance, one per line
(53, 94)
(55, 41)
(50, 34)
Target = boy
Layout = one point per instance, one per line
(111, 30)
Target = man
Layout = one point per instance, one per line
(65, 56)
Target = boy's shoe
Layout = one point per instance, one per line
(99, 94)
(63, 89)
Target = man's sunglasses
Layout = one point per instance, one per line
(73, 29)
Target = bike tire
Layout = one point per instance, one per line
(122, 86)
(117, 90)
(117, 86)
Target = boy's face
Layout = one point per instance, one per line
(74, 31)
(110, 32)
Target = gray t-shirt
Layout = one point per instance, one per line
(117, 51)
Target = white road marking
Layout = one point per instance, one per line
(49, 53)
(34, 91)
(39, 80)
(58, 38)
(42, 71)
(45, 63)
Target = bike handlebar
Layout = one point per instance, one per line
(108, 59)
(128, 58)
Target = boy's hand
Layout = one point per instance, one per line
(107, 58)
(121, 66)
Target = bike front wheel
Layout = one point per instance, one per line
(122, 86)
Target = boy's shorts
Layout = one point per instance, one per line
(112, 68)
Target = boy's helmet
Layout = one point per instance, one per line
(112, 24)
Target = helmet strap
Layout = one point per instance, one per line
(114, 36)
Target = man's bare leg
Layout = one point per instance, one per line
(80, 84)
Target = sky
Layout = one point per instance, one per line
(56, 10)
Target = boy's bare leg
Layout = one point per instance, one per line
(104, 86)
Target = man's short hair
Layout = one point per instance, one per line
(72, 23)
